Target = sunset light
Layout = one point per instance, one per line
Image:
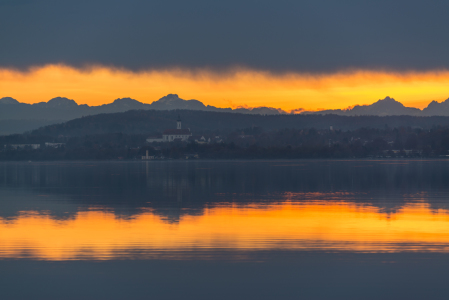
(225, 150)
(291, 226)
(234, 88)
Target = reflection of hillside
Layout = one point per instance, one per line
(177, 188)
(386, 204)
(173, 215)
(15, 201)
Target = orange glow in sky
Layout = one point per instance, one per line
(241, 87)
(335, 226)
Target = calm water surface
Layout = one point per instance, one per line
(225, 230)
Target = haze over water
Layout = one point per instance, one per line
(272, 224)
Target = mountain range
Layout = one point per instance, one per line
(390, 107)
(16, 117)
(64, 109)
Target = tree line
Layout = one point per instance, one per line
(247, 143)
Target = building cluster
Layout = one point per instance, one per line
(183, 135)
(33, 146)
(23, 146)
(205, 139)
(172, 135)
(54, 145)
(147, 157)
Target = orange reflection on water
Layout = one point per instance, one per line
(323, 226)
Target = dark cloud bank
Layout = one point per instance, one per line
(303, 36)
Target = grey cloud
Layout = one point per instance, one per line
(305, 36)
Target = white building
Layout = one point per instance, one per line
(24, 146)
(207, 140)
(171, 135)
(147, 157)
(154, 139)
(54, 145)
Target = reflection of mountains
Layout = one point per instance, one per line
(334, 226)
(174, 189)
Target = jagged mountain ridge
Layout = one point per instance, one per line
(69, 109)
(16, 117)
(65, 109)
(390, 107)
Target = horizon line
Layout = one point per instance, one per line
(237, 87)
(293, 111)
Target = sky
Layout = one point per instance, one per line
(286, 54)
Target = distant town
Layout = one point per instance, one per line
(130, 131)
(247, 143)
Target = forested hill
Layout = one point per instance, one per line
(153, 121)
(16, 117)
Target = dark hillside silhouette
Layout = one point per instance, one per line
(57, 110)
(16, 117)
(152, 121)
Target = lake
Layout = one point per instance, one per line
(303, 229)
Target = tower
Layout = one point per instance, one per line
(178, 123)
